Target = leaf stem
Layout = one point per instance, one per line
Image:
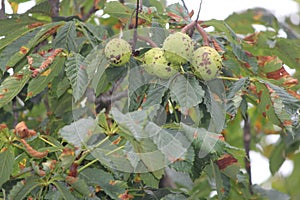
(87, 165)
(115, 150)
(46, 141)
(85, 154)
(152, 44)
(203, 34)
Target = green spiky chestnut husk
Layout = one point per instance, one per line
(117, 52)
(206, 63)
(156, 64)
(178, 48)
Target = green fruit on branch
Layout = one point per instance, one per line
(156, 64)
(118, 52)
(178, 48)
(206, 63)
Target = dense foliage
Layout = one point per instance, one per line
(80, 121)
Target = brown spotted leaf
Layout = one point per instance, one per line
(178, 13)
(12, 85)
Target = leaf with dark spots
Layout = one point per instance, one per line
(225, 161)
(178, 13)
(12, 85)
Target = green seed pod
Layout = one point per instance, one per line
(118, 52)
(178, 48)
(206, 63)
(156, 64)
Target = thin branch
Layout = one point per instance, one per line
(247, 141)
(188, 27)
(106, 99)
(2, 10)
(136, 24)
(184, 5)
(15, 111)
(54, 4)
(89, 13)
(203, 34)
(199, 11)
(148, 40)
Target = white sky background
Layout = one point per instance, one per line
(220, 9)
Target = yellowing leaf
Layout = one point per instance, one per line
(46, 73)
(14, 6)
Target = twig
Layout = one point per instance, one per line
(203, 34)
(15, 112)
(247, 141)
(199, 11)
(188, 27)
(136, 24)
(2, 10)
(184, 5)
(148, 40)
(106, 99)
(89, 13)
(54, 8)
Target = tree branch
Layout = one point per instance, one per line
(203, 34)
(54, 8)
(247, 141)
(199, 11)
(148, 40)
(2, 10)
(88, 14)
(188, 27)
(184, 5)
(136, 24)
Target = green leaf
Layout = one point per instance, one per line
(64, 191)
(277, 157)
(77, 133)
(204, 140)
(14, 47)
(187, 92)
(98, 177)
(81, 187)
(245, 58)
(150, 180)
(265, 105)
(76, 71)
(6, 167)
(12, 85)
(220, 184)
(66, 37)
(14, 28)
(155, 94)
(270, 194)
(234, 95)
(243, 22)
(43, 33)
(96, 65)
(214, 101)
(152, 147)
(42, 8)
(118, 10)
(139, 81)
(24, 187)
(174, 197)
(38, 84)
(222, 27)
(177, 12)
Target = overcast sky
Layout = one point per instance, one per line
(220, 9)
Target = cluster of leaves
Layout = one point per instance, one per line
(56, 80)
